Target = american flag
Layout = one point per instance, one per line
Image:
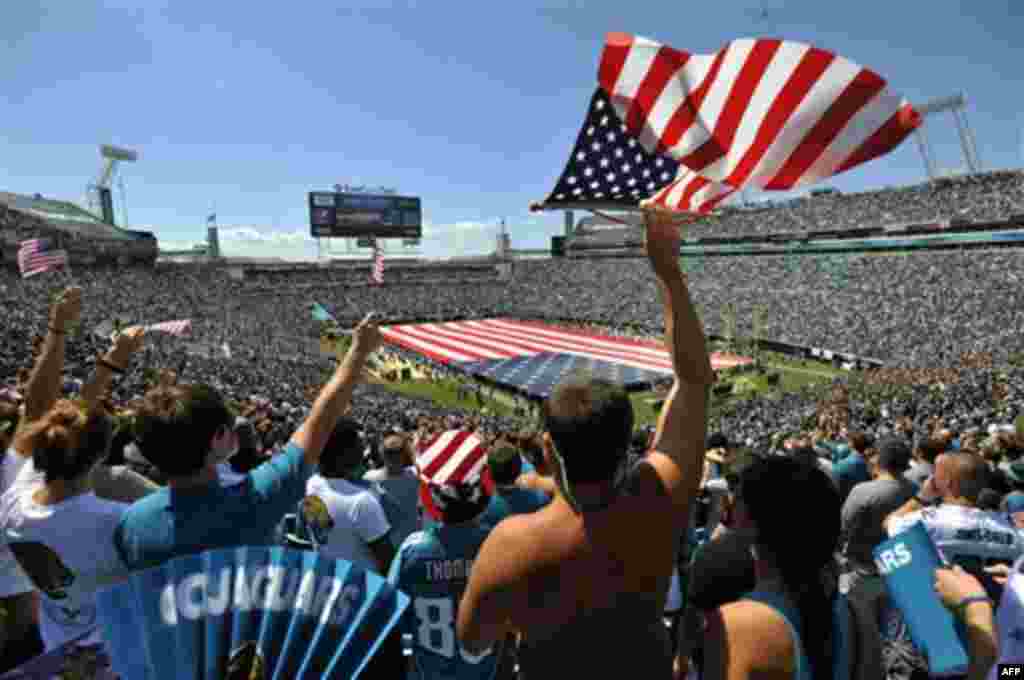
(377, 274)
(534, 357)
(767, 113)
(35, 257)
(177, 328)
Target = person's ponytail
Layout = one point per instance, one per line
(814, 602)
(66, 443)
(775, 491)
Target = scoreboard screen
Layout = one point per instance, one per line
(338, 215)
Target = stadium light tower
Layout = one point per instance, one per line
(99, 191)
(955, 104)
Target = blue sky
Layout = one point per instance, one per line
(242, 108)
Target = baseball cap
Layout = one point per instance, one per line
(894, 454)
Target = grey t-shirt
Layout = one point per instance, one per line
(399, 496)
(864, 513)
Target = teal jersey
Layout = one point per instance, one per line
(432, 567)
(510, 501)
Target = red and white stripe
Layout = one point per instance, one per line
(377, 274)
(690, 192)
(469, 341)
(178, 328)
(768, 113)
(451, 458)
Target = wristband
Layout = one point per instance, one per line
(109, 366)
(962, 605)
(55, 331)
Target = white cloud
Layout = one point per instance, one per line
(178, 245)
(251, 235)
(459, 239)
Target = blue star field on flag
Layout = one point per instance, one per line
(539, 374)
(608, 165)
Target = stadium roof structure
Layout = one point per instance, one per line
(63, 216)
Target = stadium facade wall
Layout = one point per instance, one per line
(87, 240)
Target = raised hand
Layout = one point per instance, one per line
(662, 241)
(66, 309)
(367, 336)
(1000, 573)
(126, 343)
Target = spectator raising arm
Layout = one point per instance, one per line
(337, 393)
(678, 445)
(116, 360)
(44, 384)
(116, 483)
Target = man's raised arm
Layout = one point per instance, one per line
(678, 445)
(44, 383)
(337, 393)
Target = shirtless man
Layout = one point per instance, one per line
(584, 580)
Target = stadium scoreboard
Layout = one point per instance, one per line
(342, 215)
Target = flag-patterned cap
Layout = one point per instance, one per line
(451, 468)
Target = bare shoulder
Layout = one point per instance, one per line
(496, 579)
(753, 635)
(532, 480)
(511, 536)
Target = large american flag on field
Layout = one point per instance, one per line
(534, 357)
(686, 130)
(36, 256)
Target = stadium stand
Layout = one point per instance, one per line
(947, 325)
(87, 239)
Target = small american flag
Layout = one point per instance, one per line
(686, 130)
(176, 328)
(35, 257)
(377, 274)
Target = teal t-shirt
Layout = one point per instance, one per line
(850, 472)
(512, 500)
(169, 523)
(432, 567)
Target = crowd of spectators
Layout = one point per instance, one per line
(984, 197)
(941, 204)
(941, 425)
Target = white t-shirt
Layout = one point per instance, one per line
(346, 519)
(965, 534)
(1010, 620)
(68, 552)
(13, 580)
